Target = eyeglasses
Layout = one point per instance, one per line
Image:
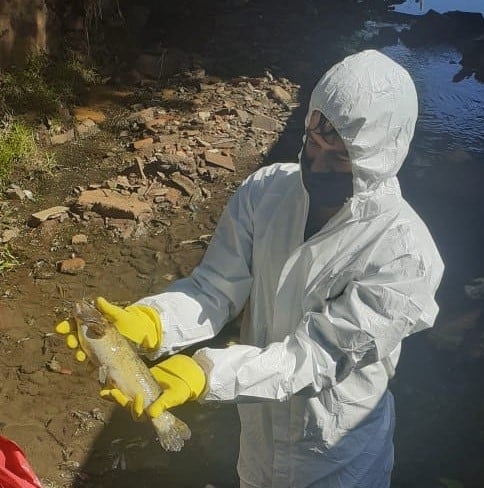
(322, 127)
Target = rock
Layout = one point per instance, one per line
(243, 115)
(15, 193)
(279, 94)
(50, 213)
(263, 122)
(185, 183)
(71, 266)
(63, 138)
(435, 28)
(142, 116)
(202, 142)
(173, 196)
(109, 203)
(220, 160)
(143, 143)
(87, 128)
(204, 116)
(472, 60)
(29, 195)
(224, 143)
(8, 234)
(79, 239)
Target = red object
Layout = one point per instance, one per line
(15, 471)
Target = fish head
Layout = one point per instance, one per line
(89, 321)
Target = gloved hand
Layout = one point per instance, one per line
(139, 323)
(181, 378)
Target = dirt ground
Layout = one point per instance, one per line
(57, 417)
(68, 432)
(50, 403)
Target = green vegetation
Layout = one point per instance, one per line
(44, 84)
(38, 90)
(7, 260)
(16, 145)
(18, 149)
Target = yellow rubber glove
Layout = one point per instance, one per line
(181, 378)
(139, 323)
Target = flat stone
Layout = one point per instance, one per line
(15, 193)
(109, 203)
(185, 183)
(263, 122)
(220, 160)
(49, 213)
(225, 144)
(279, 94)
(71, 266)
(143, 143)
(242, 115)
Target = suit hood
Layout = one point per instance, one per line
(371, 101)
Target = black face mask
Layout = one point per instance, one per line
(327, 189)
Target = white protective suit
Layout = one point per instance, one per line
(323, 319)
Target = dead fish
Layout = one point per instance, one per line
(121, 366)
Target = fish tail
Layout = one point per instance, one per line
(172, 432)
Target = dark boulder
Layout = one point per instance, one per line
(472, 60)
(435, 28)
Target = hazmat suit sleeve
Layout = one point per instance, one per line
(360, 326)
(196, 308)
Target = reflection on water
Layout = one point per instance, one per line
(451, 114)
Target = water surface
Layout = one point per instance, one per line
(421, 7)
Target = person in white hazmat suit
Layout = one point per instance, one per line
(333, 269)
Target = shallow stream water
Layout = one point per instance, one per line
(438, 387)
